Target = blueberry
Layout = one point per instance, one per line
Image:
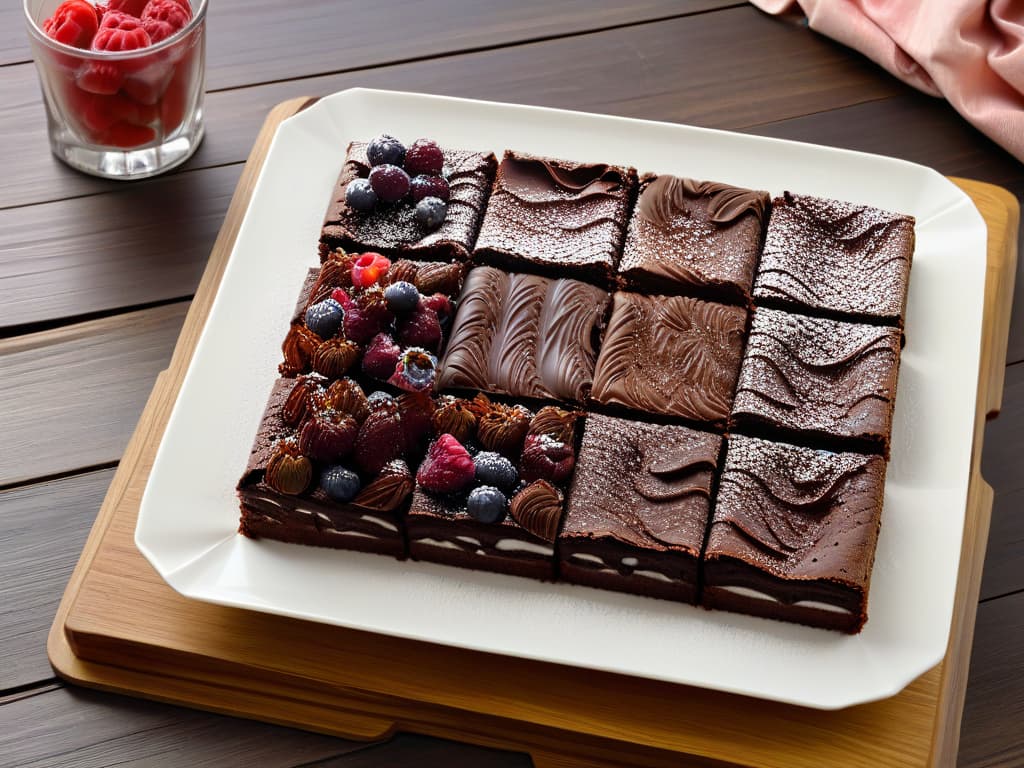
(339, 483)
(379, 397)
(385, 150)
(487, 504)
(359, 195)
(431, 211)
(402, 297)
(390, 182)
(324, 318)
(494, 469)
(429, 186)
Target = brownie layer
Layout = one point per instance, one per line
(837, 259)
(671, 355)
(825, 381)
(394, 230)
(638, 508)
(697, 238)
(793, 533)
(556, 217)
(524, 335)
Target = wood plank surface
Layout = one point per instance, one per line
(634, 71)
(42, 530)
(72, 396)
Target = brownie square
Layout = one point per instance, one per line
(439, 525)
(828, 381)
(277, 505)
(524, 335)
(671, 355)
(793, 534)
(695, 238)
(827, 257)
(638, 508)
(393, 230)
(556, 217)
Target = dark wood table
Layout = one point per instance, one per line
(96, 276)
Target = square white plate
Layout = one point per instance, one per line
(188, 520)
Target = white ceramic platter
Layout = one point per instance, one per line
(189, 516)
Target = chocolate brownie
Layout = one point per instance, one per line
(825, 381)
(696, 238)
(501, 509)
(524, 335)
(837, 259)
(556, 217)
(793, 534)
(281, 491)
(638, 508)
(393, 230)
(671, 355)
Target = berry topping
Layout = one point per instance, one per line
(131, 7)
(359, 195)
(424, 156)
(417, 410)
(494, 469)
(288, 471)
(415, 371)
(103, 78)
(545, 458)
(441, 304)
(340, 484)
(368, 269)
(341, 296)
(390, 182)
(420, 329)
(379, 399)
(120, 32)
(328, 436)
(380, 437)
(429, 186)
(163, 18)
(385, 150)
(431, 212)
(402, 297)
(447, 468)
(324, 318)
(381, 357)
(359, 327)
(487, 504)
(73, 23)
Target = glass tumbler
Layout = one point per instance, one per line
(122, 114)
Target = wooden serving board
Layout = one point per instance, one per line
(120, 627)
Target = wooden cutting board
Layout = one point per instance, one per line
(121, 628)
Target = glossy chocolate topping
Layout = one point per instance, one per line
(798, 513)
(524, 335)
(644, 485)
(836, 257)
(817, 375)
(394, 230)
(665, 198)
(556, 213)
(671, 355)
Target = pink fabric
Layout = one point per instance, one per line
(970, 51)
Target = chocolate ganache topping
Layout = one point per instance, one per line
(534, 179)
(388, 490)
(663, 199)
(801, 512)
(538, 509)
(646, 485)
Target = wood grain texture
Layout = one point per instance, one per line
(72, 396)
(990, 734)
(635, 72)
(42, 529)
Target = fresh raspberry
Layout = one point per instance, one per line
(380, 438)
(341, 296)
(447, 468)
(374, 305)
(127, 135)
(175, 98)
(328, 436)
(545, 458)
(120, 32)
(424, 156)
(420, 329)
(441, 304)
(415, 371)
(429, 186)
(100, 77)
(150, 84)
(369, 268)
(389, 182)
(358, 327)
(417, 410)
(100, 113)
(381, 357)
(73, 23)
(163, 18)
(131, 7)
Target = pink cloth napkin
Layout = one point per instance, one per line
(970, 51)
